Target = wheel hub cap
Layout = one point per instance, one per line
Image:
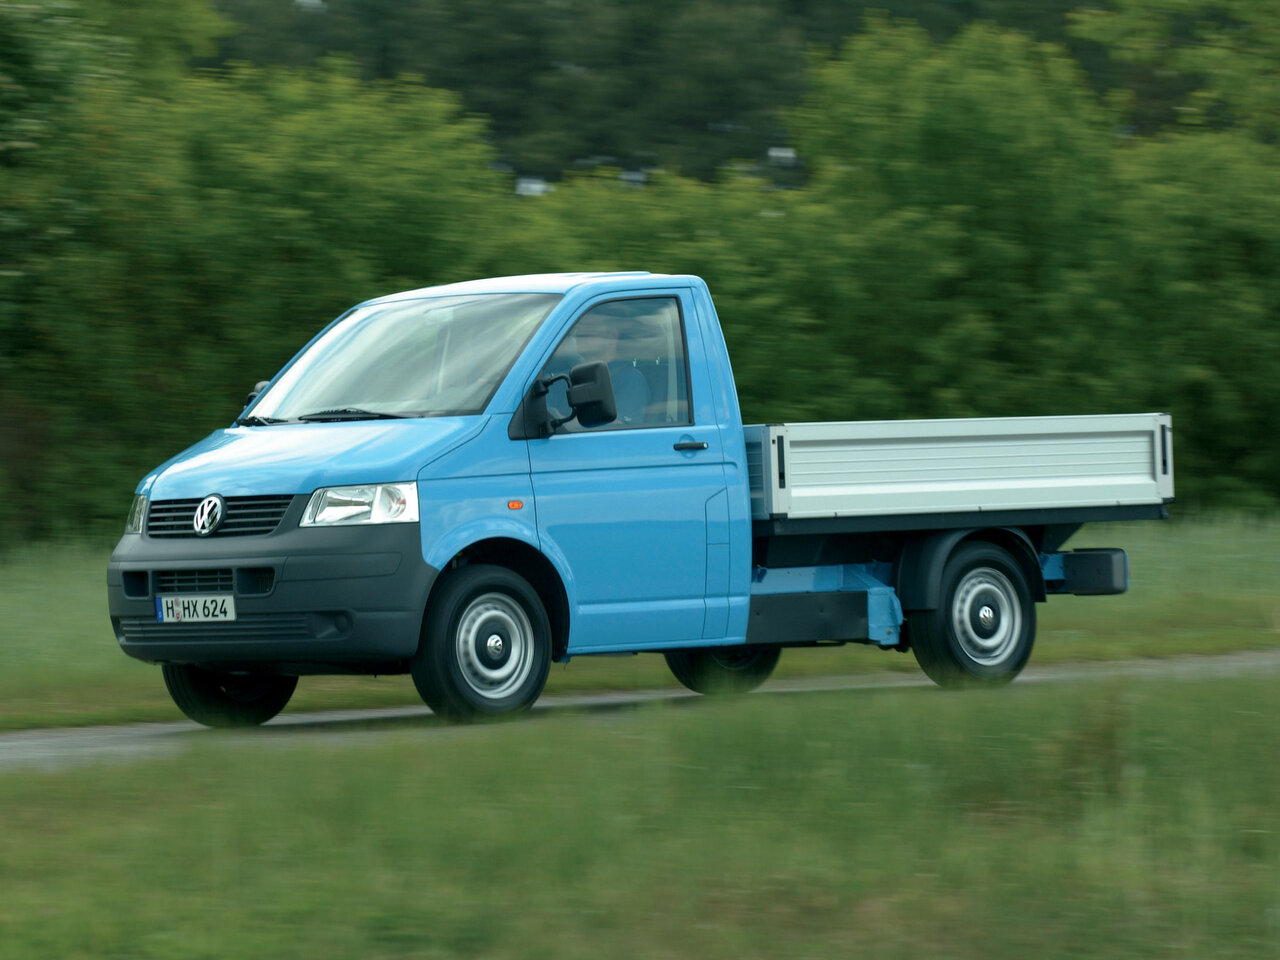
(985, 616)
(494, 646)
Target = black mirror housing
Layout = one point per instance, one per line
(257, 389)
(591, 394)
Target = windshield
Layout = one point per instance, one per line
(436, 357)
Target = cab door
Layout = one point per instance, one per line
(623, 507)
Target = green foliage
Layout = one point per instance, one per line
(970, 233)
(46, 53)
(684, 85)
(960, 200)
(1230, 50)
(1201, 276)
(215, 230)
(36, 73)
(159, 40)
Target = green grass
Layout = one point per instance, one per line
(1199, 586)
(1116, 820)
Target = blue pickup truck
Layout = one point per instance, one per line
(470, 481)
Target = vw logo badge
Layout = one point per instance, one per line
(209, 514)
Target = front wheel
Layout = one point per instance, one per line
(227, 699)
(486, 645)
(723, 669)
(983, 631)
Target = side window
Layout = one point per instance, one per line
(642, 341)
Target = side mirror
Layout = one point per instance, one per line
(591, 394)
(590, 397)
(257, 389)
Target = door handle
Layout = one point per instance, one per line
(690, 445)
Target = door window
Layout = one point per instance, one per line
(642, 341)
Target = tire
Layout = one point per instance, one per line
(723, 669)
(227, 699)
(983, 631)
(486, 645)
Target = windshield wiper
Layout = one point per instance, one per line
(349, 413)
(255, 421)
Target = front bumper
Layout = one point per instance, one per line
(314, 600)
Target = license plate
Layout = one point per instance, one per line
(195, 608)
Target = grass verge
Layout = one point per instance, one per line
(1199, 586)
(1134, 820)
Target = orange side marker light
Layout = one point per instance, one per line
(515, 504)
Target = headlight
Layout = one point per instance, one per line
(136, 512)
(374, 503)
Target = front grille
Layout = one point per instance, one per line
(254, 627)
(194, 581)
(245, 517)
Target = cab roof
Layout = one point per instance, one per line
(560, 283)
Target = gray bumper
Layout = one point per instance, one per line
(345, 599)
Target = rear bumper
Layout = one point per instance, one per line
(346, 599)
(1088, 572)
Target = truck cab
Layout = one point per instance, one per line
(397, 448)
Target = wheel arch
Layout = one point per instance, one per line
(918, 574)
(525, 560)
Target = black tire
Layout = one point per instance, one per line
(227, 699)
(723, 669)
(486, 645)
(984, 629)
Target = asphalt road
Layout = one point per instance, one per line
(68, 747)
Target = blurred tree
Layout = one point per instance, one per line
(272, 32)
(975, 236)
(1201, 218)
(222, 226)
(39, 58)
(163, 38)
(683, 85)
(687, 85)
(46, 49)
(1229, 49)
(960, 203)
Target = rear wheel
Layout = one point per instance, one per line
(723, 669)
(983, 631)
(486, 645)
(227, 699)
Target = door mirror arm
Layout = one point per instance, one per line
(590, 397)
(542, 387)
(547, 423)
